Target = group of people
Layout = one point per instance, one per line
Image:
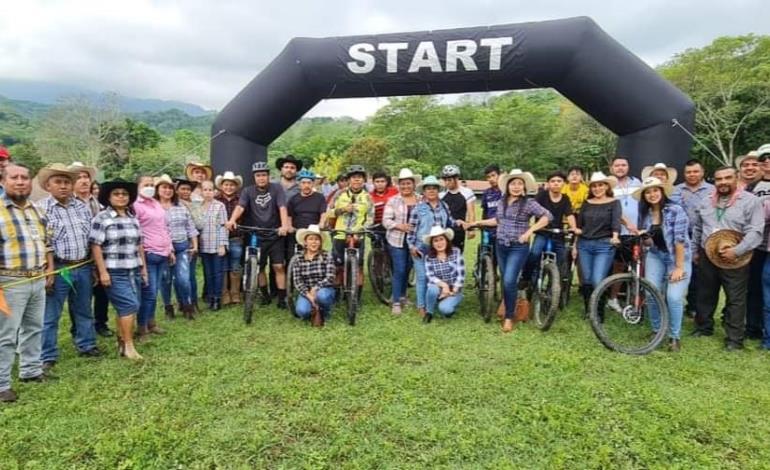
(125, 243)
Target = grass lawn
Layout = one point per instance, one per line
(392, 392)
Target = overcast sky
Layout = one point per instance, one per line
(204, 52)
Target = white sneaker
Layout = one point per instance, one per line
(396, 309)
(614, 305)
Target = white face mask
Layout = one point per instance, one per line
(147, 191)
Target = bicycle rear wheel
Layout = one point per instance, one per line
(628, 329)
(566, 284)
(290, 287)
(351, 285)
(487, 287)
(250, 273)
(380, 277)
(545, 296)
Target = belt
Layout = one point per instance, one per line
(21, 272)
(70, 263)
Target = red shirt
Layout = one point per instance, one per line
(380, 200)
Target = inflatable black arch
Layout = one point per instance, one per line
(573, 56)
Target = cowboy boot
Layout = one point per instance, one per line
(316, 319)
(235, 288)
(169, 312)
(189, 311)
(225, 294)
(585, 291)
(154, 329)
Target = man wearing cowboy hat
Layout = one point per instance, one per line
(68, 224)
(198, 173)
(729, 208)
(663, 172)
(749, 170)
(229, 186)
(305, 208)
(23, 262)
(289, 166)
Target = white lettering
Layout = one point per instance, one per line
(495, 50)
(461, 50)
(425, 56)
(363, 62)
(392, 48)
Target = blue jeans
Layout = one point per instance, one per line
(421, 279)
(657, 269)
(180, 273)
(156, 264)
(766, 307)
(511, 260)
(531, 271)
(212, 272)
(324, 298)
(233, 257)
(401, 265)
(194, 278)
(79, 298)
(595, 258)
(446, 306)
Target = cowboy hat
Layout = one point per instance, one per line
(288, 159)
(228, 176)
(725, 239)
(406, 174)
(429, 181)
(180, 180)
(54, 169)
(529, 180)
(108, 186)
(163, 179)
(192, 165)
(753, 155)
(310, 230)
(77, 167)
(306, 175)
(652, 182)
(599, 177)
(763, 150)
(437, 231)
(647, 171)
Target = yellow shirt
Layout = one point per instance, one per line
(577, 197)
(23, 236)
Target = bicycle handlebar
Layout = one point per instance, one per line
(556, 231)
(246, 228)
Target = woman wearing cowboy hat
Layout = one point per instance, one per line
(668, 261)
(229, 186)
(514, 211)
(313, 275)
(445, 270)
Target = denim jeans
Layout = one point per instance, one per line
(21, 329)
(595, 258)
(531, 271)
(421, 279)
(179, 274)
(212, 272)
(766, 307)
(79, 299)
(401, 265)
(232, 262)
(324, 298)
(657, 269)
(166, 281)
(446, 306)
(156, 264)
(194, 277)
(511, 260)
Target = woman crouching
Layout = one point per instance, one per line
(445, 270)
(313, 276)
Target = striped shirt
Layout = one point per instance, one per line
(396, 212)
(513, 219)
(23, 240)
(180, 223)
(120, 238)
(213, 231)
(67, 228)
(318, 272)
(451, 270)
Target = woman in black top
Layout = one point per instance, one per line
(598, 229)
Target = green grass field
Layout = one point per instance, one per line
(392, 392)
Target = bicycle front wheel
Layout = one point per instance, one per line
(628, 314)
(486, 288)
(351, 278)
(545, 296)
(250, 273)
(378, 265)
(290, 287)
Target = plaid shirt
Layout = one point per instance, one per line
(318, 272)
(451, 270)
(23, 240)
(396, 212)
(213, 233)
(675, 228)
(689, 199)
(513, 220)
(424, 216)
(93, 205)
(67, 227)
(230, 205)
(120, 238)
(180, 223)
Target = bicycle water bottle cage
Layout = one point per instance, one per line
(484, 237)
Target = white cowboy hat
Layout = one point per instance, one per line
(228, 176)
(529, 181)
(77, 167)
(647, 171)
(406, 174)
(749, 156)
(652, 182)
(599, 177)
(54, 169)
(436, 231)
(310, 230)
(763, 149)
(163, 179)
(192, 165)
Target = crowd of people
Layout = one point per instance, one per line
(124, 243)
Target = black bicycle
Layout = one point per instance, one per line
(350, 271)
(485, 277)
(250, 275)
(546, 289)
(379, 266)
(567, 270)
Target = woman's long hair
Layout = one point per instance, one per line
(433, 253)
(174, 196)
(645, 207)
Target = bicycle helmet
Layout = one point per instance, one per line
(355, 170)
(450, 171)
(260, 167)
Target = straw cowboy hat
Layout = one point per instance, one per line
(753, 155)
(647, 171)
(54, 169)
(163, 179)
(193, 165)
(406, 174)
(228, 176)
(437, 231)
(725, 239)
(77, 167)
(288, 159)
(310, 230)
(652, 182)
(429, 181)
(529, 181)
(599, 177)
(108, 186)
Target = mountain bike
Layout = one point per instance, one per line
(546, 289)
(485, 277)
(625, 331)
(249, 279)
(567, 270)
(379, 265)
(350, 271)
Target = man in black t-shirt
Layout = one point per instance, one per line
(265, 205)
(461, 202)
(308, 207)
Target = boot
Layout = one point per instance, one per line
(225, 294)
(216, 304)
(196, 307)
(235, 288)
(189, 311)
(154, 329)
(142, 335)
(586, 290)
(316, 319)
(170, 312)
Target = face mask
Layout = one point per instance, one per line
(147, 191)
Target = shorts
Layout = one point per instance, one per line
(623, 252)
(338, 251)
(275, 249)
(125, 290)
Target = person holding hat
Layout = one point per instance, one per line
(116, 246)
(395, 219)
(5, 159)
(289, 166)
(514, 211)
(305, 208)
(229, 186)
(668, 262)
(68, 224)
(313, 275)
(729, 208)
(445, 270)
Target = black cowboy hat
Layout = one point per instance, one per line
(288, 159)
(108, 186)
(183, 180)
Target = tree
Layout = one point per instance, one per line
(27, 154)
(371, 152)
